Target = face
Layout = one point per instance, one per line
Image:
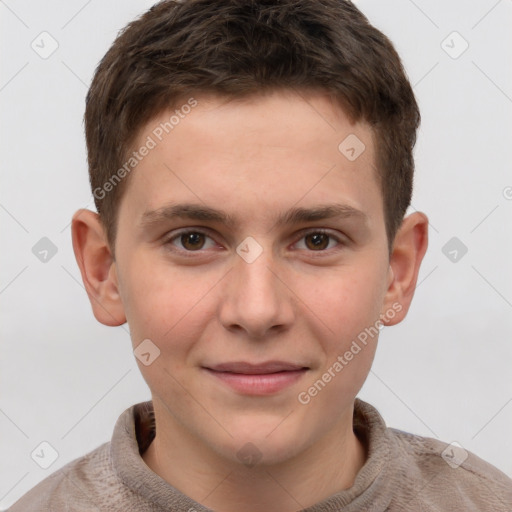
(251, 250)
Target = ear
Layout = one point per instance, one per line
(97, 267)
(409, 247)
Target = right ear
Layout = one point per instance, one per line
(98, 267)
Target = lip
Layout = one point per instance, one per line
(257, 379)
(256, 369)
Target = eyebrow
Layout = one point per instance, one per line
(203, 213)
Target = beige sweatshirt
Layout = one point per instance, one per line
(403, 472)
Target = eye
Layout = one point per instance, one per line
(318, 241)
(194, 240)
(191, 241)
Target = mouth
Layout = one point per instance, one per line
(257, 379)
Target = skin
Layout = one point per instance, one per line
(202, 304)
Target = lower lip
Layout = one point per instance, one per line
(262, 384)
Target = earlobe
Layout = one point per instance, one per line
(409, 248)
(97, 267)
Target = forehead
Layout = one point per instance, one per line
(271, 151)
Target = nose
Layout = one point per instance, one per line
(256, 299)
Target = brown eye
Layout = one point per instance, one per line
(189, 241)
(317, 241)
(192, 241)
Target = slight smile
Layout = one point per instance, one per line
(257, 379)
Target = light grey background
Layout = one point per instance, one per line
(444, 372)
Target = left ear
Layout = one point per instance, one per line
(409, 247)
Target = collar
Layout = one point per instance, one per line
(135, 430)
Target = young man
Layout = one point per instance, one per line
(252, 164)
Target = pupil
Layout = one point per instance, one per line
(192, 240)
(318, 241)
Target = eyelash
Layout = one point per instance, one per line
(168, 242)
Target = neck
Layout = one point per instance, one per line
(326, 467)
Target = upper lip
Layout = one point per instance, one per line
(255, 369)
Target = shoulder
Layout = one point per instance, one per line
(77, 483)
(109, 477)
(448, 477)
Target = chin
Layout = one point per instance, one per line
(265, 442)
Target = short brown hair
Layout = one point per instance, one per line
(239, 48)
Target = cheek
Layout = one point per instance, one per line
(350, 308)
(165, 305)
(347, 304)
(170, 309)
(344, 302)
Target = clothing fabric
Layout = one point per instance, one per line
(403, 472)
